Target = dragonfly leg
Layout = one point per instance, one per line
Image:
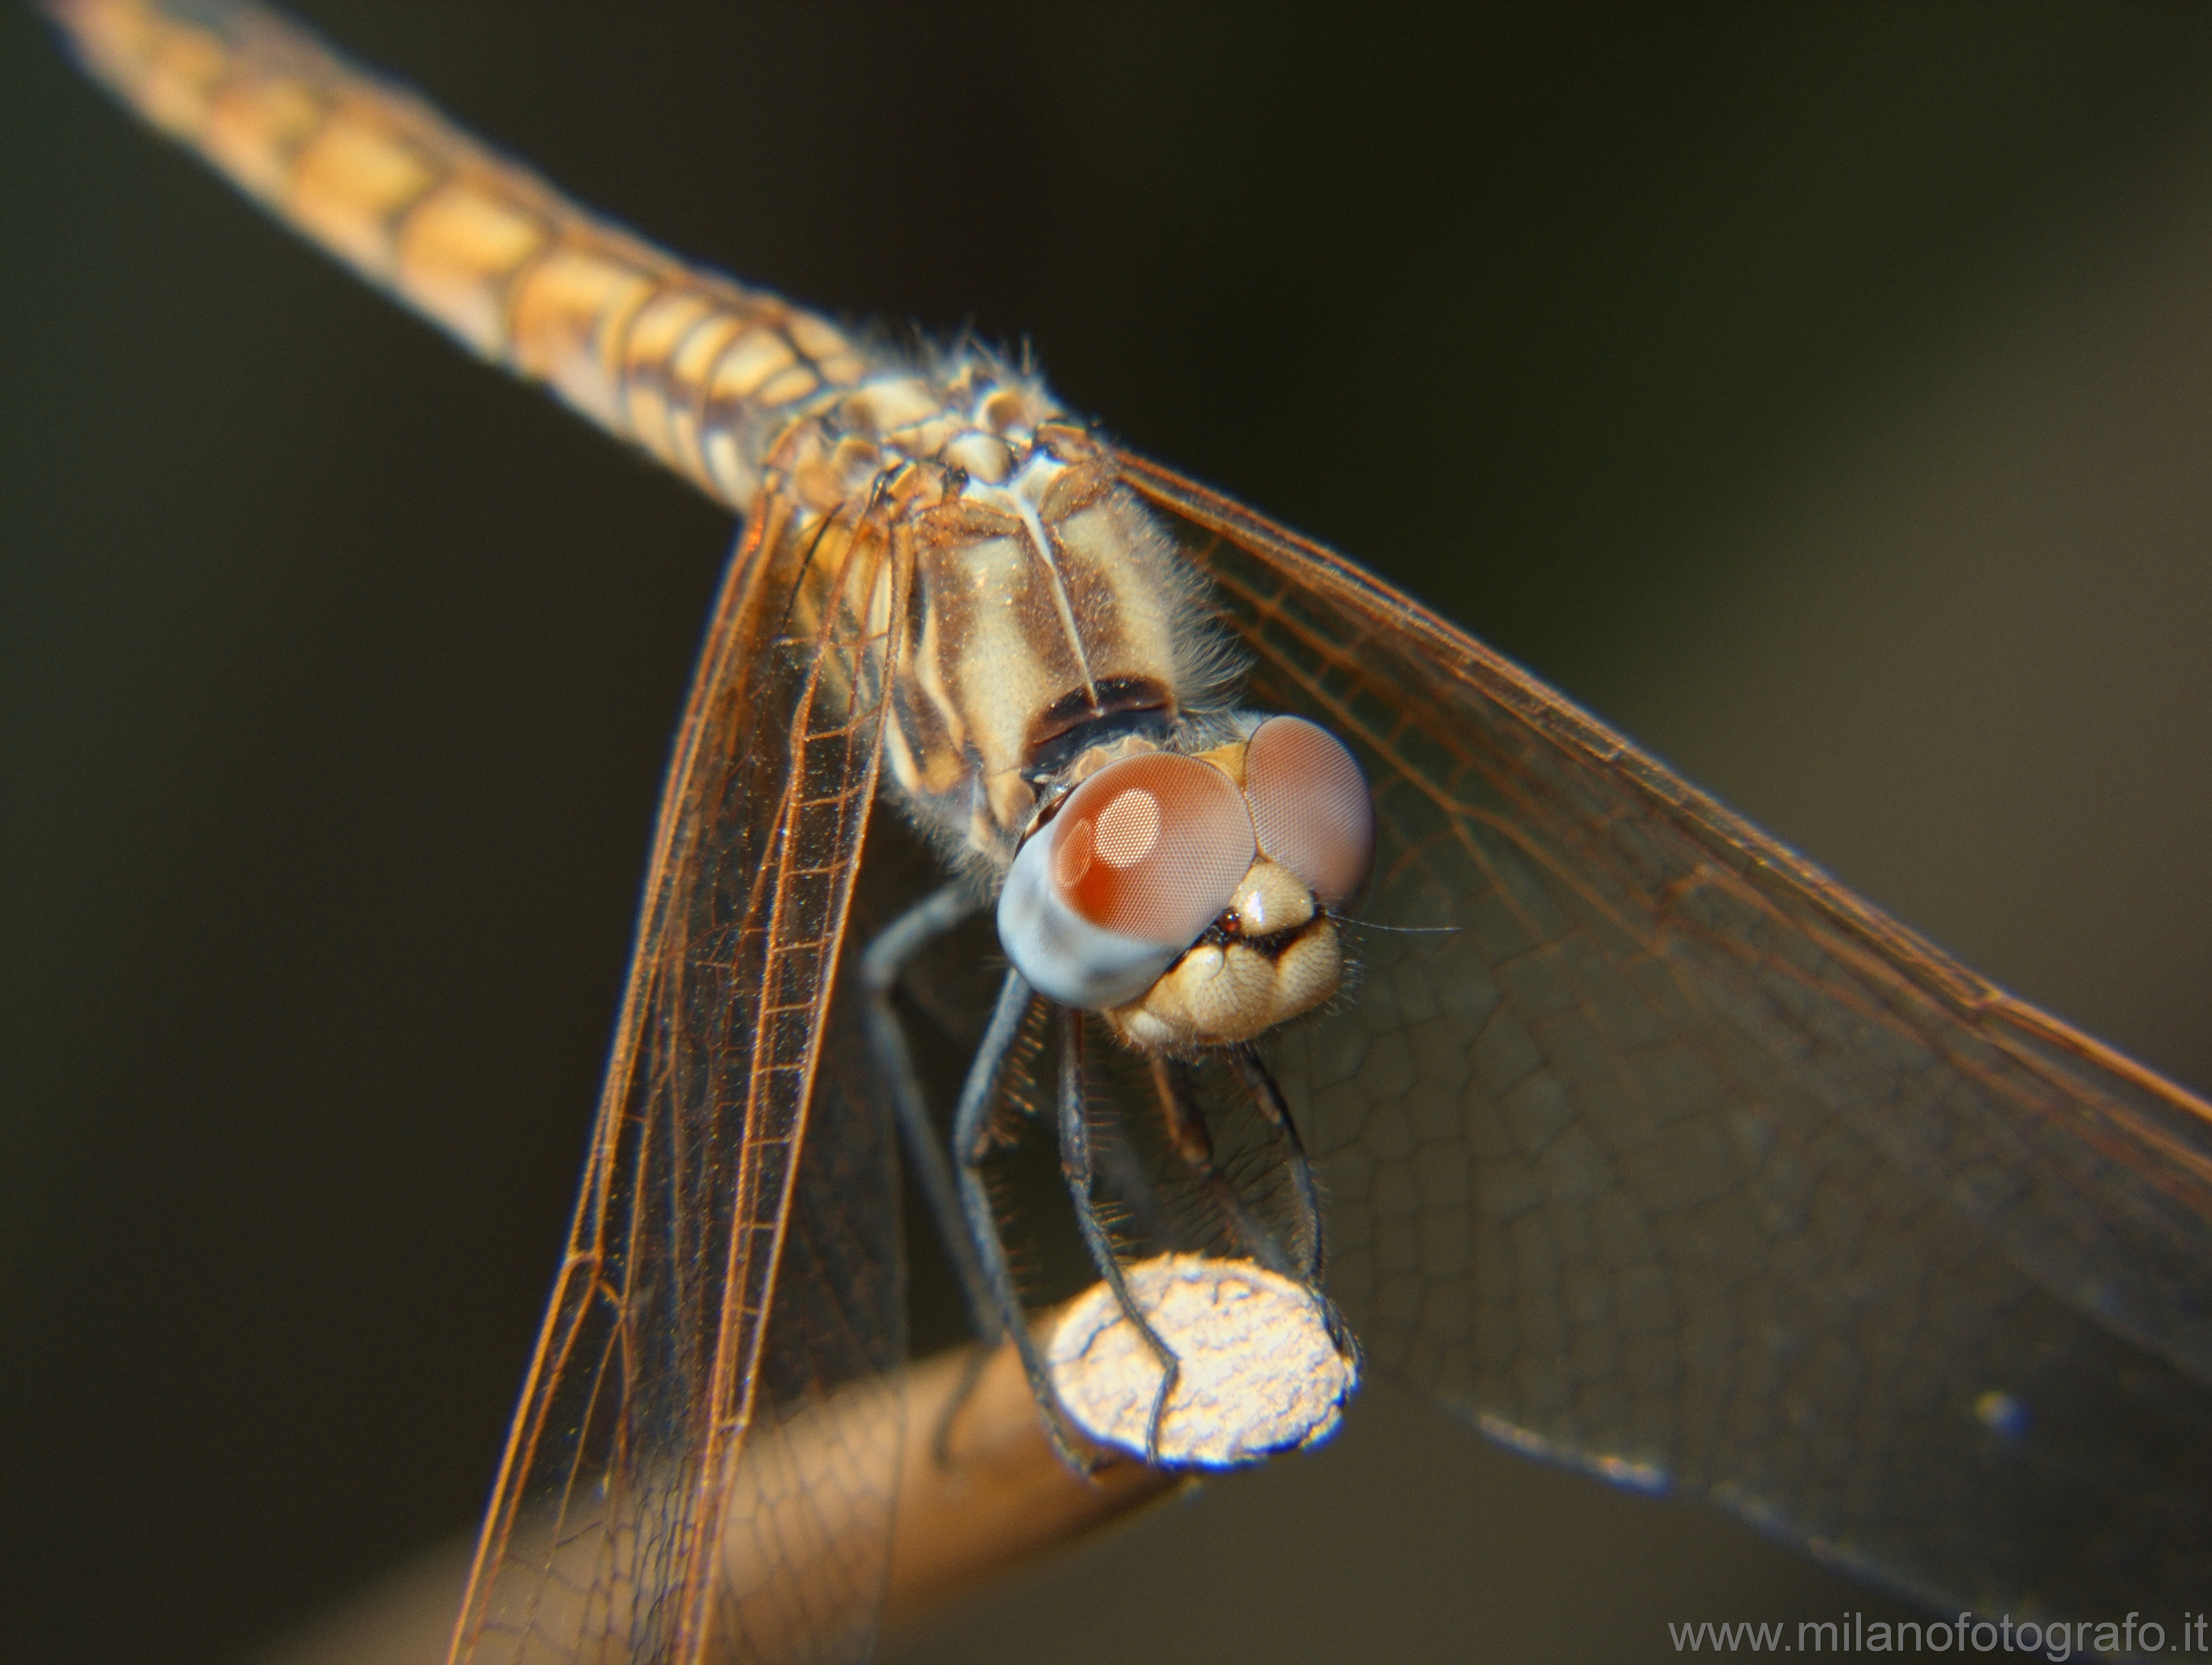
(971, 1144)
(1305, 1240)
(1122, 1174)
(882, 964)
(1194, 1143)
(1075, 1166)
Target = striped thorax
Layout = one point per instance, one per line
(1059, 722)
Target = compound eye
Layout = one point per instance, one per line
(1151, 847)
(1142, 857)
(1311, 805)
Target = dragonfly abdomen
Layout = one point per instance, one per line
(703, 373)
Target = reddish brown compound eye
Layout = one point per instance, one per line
(1140, 859)
(1152, 847)
(1311, 805)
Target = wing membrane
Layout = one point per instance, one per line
(1675, 1161)
(669, 1493)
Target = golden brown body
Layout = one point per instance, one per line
(700, 371)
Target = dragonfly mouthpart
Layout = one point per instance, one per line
(1236, 982)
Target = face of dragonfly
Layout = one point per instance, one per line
(1350, 540)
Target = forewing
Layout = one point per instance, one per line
(701, 1464)
(1670, 1157)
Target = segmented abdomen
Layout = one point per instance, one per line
(700, 371)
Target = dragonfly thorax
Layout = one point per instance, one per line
(1048, 610)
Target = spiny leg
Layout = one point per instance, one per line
(1194, 1143)
(1305, 1239)
(1075, 1166)
(971, 1144)
(1121, 1172)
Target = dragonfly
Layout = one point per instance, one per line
(1750, 943)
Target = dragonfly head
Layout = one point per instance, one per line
(1187, 898)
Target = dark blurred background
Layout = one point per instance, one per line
(1824, 395)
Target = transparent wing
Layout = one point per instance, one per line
(1673, 1159)
(700, 1466)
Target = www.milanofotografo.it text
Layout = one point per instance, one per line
(1851, 1633)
